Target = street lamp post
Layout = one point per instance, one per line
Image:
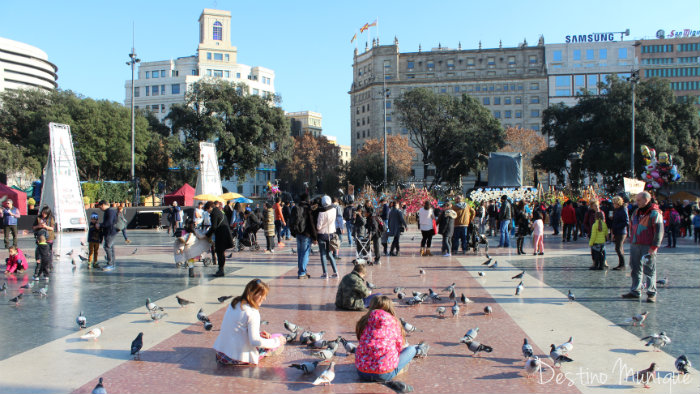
(384, 93)
(633, 79)
(132, 62)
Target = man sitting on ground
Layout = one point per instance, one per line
(353, 293)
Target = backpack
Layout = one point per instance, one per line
(297, 220)
(348, 213)
(674, 217)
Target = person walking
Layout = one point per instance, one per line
(384, 215)
(537, 233)
(349, 217)
(9, 215)
(279, 220)
(672, 224)
(620, 222)
(555, 216)
(522, 221)
(172, 217)
(599, 232)
(339, 226)
(646, 232)
(109, 232)
(447, 227)
(492, 213)
(304, 230)
(397, 225)
(222, 235)
(464, 215)
(374, 228)
(325, 226)
(568, 218)
(426, 225)
(286, 213)
(505, 215)
(122, 223)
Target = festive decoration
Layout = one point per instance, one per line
(414, 199)
(658, 172)
(494, 193)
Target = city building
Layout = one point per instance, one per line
(303, 122)
(510, 82)
(254, 185)
(345, 150)
(575, 66)
(24, 66)
(674, 56)
(160, 84)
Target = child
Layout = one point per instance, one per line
(538, 234)
(43, 258)
(189, 246)
(94, 239)
(16, 262)
(599, 230)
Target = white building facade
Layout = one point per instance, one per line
(24, 66)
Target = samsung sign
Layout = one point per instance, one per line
(594, 37)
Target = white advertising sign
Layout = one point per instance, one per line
(61, 189)
(208, 180)
(633, 186)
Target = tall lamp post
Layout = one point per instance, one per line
(633, 79)
(385, 93)
(132, 62)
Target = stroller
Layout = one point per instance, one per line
(363, 245)
(476, 239)
(189, 248)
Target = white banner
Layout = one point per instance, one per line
(61, 188)
(208, 180)
(633, 186)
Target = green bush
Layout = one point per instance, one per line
(90, 190)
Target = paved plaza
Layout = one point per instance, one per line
(42, 350)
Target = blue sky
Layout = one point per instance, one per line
(307, 43)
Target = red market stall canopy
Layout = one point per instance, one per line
(19, 198)
(183, 196)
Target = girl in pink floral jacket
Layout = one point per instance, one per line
(381, 354)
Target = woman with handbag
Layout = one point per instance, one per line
(426, 225)
(325, 225)
(121, 223)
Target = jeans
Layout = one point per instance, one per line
(672, 233)
(619, 248)
(285, 232)
(303, 249)
(124, 234)
(405, 357)
(567, 232)
(505, 237)
(324, 249)
(278, 230)
(446, 244)
(10, 228)
(109, 248)
(647, 268)
(460, 235)
(348, 227)
(696, 234)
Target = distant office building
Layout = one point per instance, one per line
(510, 82)
(575, 66)
(305, 122)
(23, 66)
(160, 84)
(674, 56)
(345, 150)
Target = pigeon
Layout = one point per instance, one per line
(224, 298)
(494, 265)
(264, 322)
(4, 287)
(291, 337)
(417, 294)
(519, 289)
(487, 262)
(433, 295)
(306, 367)
(662, 282)
(136, 346)
(567, 346)
(421, 271)
(201, 316)
(182, 301)
(325, 354)
(452, 295)
(82, 258)
(99, 388)
(527, 349)
(441, 311)
(157, 315)
(43, 292)
(422, 349)
(27, 286)
(318, 345)
(470, 335)
(408, 327)
(488, 310)
(399, 387)
(557, 356)
(350, 347)
(333, 345)
(81, 320)
(455, 309)
(682, 364)
(326, 376)
(638, 318)
(371, 285)
(487, 256)
(657, 340)
(464, 299)
(152, 307)
(291, 327)
(397, 290)
(82, 243)
(646, 375)
(477, 347)
(316, 336)
(571, 296)
(400, 295)
(17, 299)
(93, 334)
(519, 276)
(229, 255)
(208, 326)
(304, 338)
(481, 273)
(450, 288)
(135, 251)
(533, 365)
(70, 253)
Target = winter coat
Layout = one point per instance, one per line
(325, 223)
(620, 221)
(269, 222)
(522, 222)
(380, 344)
(397, 223)
(351, 292)
(568, 214)
(18, 261)
(465, 213)
(647, 226)
(598, 237)
(588, 220)
(447, 223)
(505, 213)
(220, 230)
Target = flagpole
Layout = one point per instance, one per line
(377, 28)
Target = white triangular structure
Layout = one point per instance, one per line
(208, 179)
(61, 188)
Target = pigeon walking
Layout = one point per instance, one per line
(452, 295)
(477, 347)
(82, 258)
(638, 318)
(136, 346)
(682, 364)
(306, 367)
(450, 288)
(481, 273)
(17, 299)
(646, 375)
(152, 307)
(488, 310)
(557, 355)
(327, 376)
(182, 301)
(441, 311)
(93, 334)
(81, 320)
(408, 327)
(465, 300)
(208, 326)
(527, 349)
(157, 315)
(224, 298)
(349, 346)
(533, 365)
(487, 262)
(433, 295)
(291, 327)
(455, 309)
(325, 354)
(43, 292)
(398, 386)
(27, 286)
(519, 276)
(494, 265)
(567, 346)
(201, 316)
(135, 251)
(662, 282)
(519, 289)
(657, 340)
(99, 388)
(371, 285)
(470, 335)
(571, 296)
(4, 287)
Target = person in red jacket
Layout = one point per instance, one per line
(589, 218)
(16, 262)
(568, 217)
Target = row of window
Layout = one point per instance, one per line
(535, 113)
(507, 101)
(153, 108)
(157, 90)
(672, 72)
(469, 74)
(693, 47)
(218, 56)
(659, 60)
(691, 85)
(161, 73)
(496, 114)
(657, 48)
(471, 62)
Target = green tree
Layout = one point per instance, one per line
(247, 129)
(593, 136)
(17, 158)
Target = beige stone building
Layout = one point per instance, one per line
(510, 82)
(303, 122)
(23, 66)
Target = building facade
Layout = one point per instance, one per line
(510, 82)
(303, 122)
(24, 66)
(575, 66)
(675, 57)
(160, 84)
